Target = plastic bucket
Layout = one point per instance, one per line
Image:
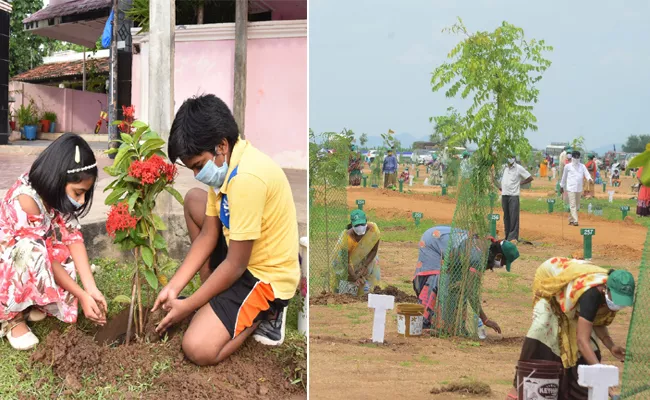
(539, 379)
(409, 319)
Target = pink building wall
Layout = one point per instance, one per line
(276, 89)
(76, 111)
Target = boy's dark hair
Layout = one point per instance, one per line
(49, 173)
(201, 123)
(575, 154)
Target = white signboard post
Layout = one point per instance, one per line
(381, 303)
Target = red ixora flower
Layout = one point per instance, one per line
(120, 219)
(150, 170)
(129, 117)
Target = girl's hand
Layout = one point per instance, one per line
(618, 352)
(99, 299)
(92, 310)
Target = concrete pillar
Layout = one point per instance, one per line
(162, 20)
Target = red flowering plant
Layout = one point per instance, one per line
(141, 173)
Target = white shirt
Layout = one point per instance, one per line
(511, 179)
(573, 176)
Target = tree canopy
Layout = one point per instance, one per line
(500, 70)
(636, 143)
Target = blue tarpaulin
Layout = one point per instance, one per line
(107, 35)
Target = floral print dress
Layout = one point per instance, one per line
(29, 244)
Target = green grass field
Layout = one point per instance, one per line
(19, 378)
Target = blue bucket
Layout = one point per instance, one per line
(52, 127)
(30, 132)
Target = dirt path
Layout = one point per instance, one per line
(343, 364)
(613, 238)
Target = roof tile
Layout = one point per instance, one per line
(60, 70)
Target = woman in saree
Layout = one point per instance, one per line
(543, 168)
(356, 262)
(643, 200)
(574, 303)
(355, 166)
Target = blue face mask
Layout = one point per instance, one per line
(212, 175)
(74, 202)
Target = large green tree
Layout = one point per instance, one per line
(26, 50)
(448, 129)
(500, 70)
(636, 143)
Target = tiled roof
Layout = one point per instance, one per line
(70, 8)
(61, 70)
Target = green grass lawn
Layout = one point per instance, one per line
(19, 378)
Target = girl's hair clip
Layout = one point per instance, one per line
(74, 171)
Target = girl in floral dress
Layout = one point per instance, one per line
(41, 247)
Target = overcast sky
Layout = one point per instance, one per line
(370, 64)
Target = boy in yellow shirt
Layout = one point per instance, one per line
(244, 235)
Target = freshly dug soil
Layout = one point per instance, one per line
(325, 298)
(253, 372)
(400, 297)
(475, 388)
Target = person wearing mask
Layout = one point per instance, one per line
(591, 168)
(390, 170)
(356, 262)
(512, 177)
(564, 156)
(443, 241)
(574, 303)
(571, 183)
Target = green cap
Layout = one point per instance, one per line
(510, 253)
(621, 285)
(358, 217)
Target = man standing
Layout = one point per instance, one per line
(591, 167)
(572, 178)
(390, 170)
(564, 156)
(513, 176)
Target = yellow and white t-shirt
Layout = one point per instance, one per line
(261, 209)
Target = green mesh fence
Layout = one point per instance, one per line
(459, 291)
(636, 372)
(328, 212)
(376, 177)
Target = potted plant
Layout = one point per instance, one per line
(44, 123)
(28, 120)
(50, 117)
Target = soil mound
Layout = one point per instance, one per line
(474, 388)
(400, 297)
(325, 298)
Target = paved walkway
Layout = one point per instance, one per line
(13, 165)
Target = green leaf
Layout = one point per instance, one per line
(158, 223)
(175, 193)
(132, 199)
(159, 242)
(151, 278)
(115, 196)
(150, 135)
(147, 255)
(640, 160)
(116, 122)
(151, 145)
(120, 298)
(122, 155)
(120, 236)
(111, 151)
(131, 179)
(128, 245)
(139, 124)
(126, 138)
(136, 135)
(112, 171)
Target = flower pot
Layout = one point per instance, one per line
(30, 132)
(12, 124)
(46, 125)
(52, 127)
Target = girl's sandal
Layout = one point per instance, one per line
(26, 341)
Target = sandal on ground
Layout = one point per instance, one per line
(26, 341)
(35, 315)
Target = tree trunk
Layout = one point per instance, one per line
(241, 37)
(131, 307)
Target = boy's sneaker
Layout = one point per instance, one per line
(271, 333)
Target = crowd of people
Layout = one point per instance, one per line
(574, 300)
